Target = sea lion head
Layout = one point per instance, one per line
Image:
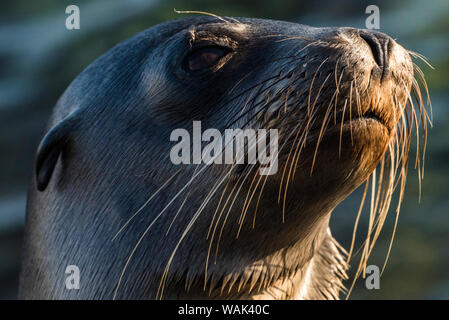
(339, 98)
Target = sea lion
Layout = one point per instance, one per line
(107, 199)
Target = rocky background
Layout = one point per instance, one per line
(39, 57)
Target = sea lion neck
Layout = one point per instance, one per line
(315, 261)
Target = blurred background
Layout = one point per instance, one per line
(39, 57)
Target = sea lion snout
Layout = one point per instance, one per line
(369, 68)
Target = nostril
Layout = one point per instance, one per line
(380, 45)
(375, 46)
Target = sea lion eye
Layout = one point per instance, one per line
(204, 58)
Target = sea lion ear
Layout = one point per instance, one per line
(49, 150)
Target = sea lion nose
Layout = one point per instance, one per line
(380, 45)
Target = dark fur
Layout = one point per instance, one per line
(106, 151)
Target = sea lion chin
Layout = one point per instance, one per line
(107, 198)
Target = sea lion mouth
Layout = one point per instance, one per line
(371, 115)
(370, 121)
(370, 118)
